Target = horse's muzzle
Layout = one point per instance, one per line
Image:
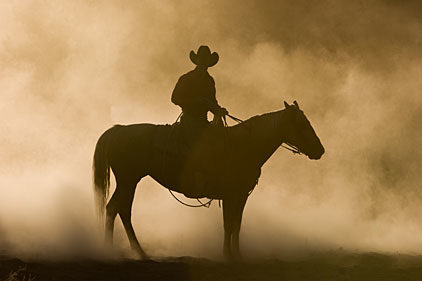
(316, 155)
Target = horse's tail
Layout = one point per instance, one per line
(101, 169)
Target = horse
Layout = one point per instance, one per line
(231, 168)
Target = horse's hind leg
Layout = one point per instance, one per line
(111, 213)
(125, 212)
(121, 203)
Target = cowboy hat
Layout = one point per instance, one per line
(204, 57)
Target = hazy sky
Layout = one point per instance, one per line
(71, 69)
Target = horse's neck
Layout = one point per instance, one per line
(266, 135)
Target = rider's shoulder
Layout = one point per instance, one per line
(188, 75)
(195, 75)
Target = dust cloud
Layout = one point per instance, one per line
(71, 69)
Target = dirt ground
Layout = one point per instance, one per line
(324, 266)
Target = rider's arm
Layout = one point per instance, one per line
(212, 100)
(179, 89)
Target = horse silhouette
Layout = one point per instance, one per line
(225, 167)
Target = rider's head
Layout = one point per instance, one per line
(203, 58)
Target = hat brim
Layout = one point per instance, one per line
(204, 61)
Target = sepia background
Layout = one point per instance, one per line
(71, 69)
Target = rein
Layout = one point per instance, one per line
(292, 148)
(235, 118)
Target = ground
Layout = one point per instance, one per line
(338, 266)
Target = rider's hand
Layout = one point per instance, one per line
(222, 111)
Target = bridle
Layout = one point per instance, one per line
(292, 148)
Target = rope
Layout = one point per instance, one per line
(206, 205)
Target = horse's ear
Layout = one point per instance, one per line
(286, 105)
(295, 103)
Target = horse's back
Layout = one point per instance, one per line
(130, 147)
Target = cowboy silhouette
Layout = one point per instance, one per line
(195, 91)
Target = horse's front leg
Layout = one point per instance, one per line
(232, 215)
(239, 206)
(227, 219)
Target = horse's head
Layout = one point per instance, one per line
(300, 133)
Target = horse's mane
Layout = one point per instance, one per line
(256, 122)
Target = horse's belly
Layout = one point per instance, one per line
(191, 181)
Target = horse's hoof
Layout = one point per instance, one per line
(237, 258)
(228, 256)
(146, 258)
(141, 255)
(233, 257)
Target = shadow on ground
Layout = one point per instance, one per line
(336, 266)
